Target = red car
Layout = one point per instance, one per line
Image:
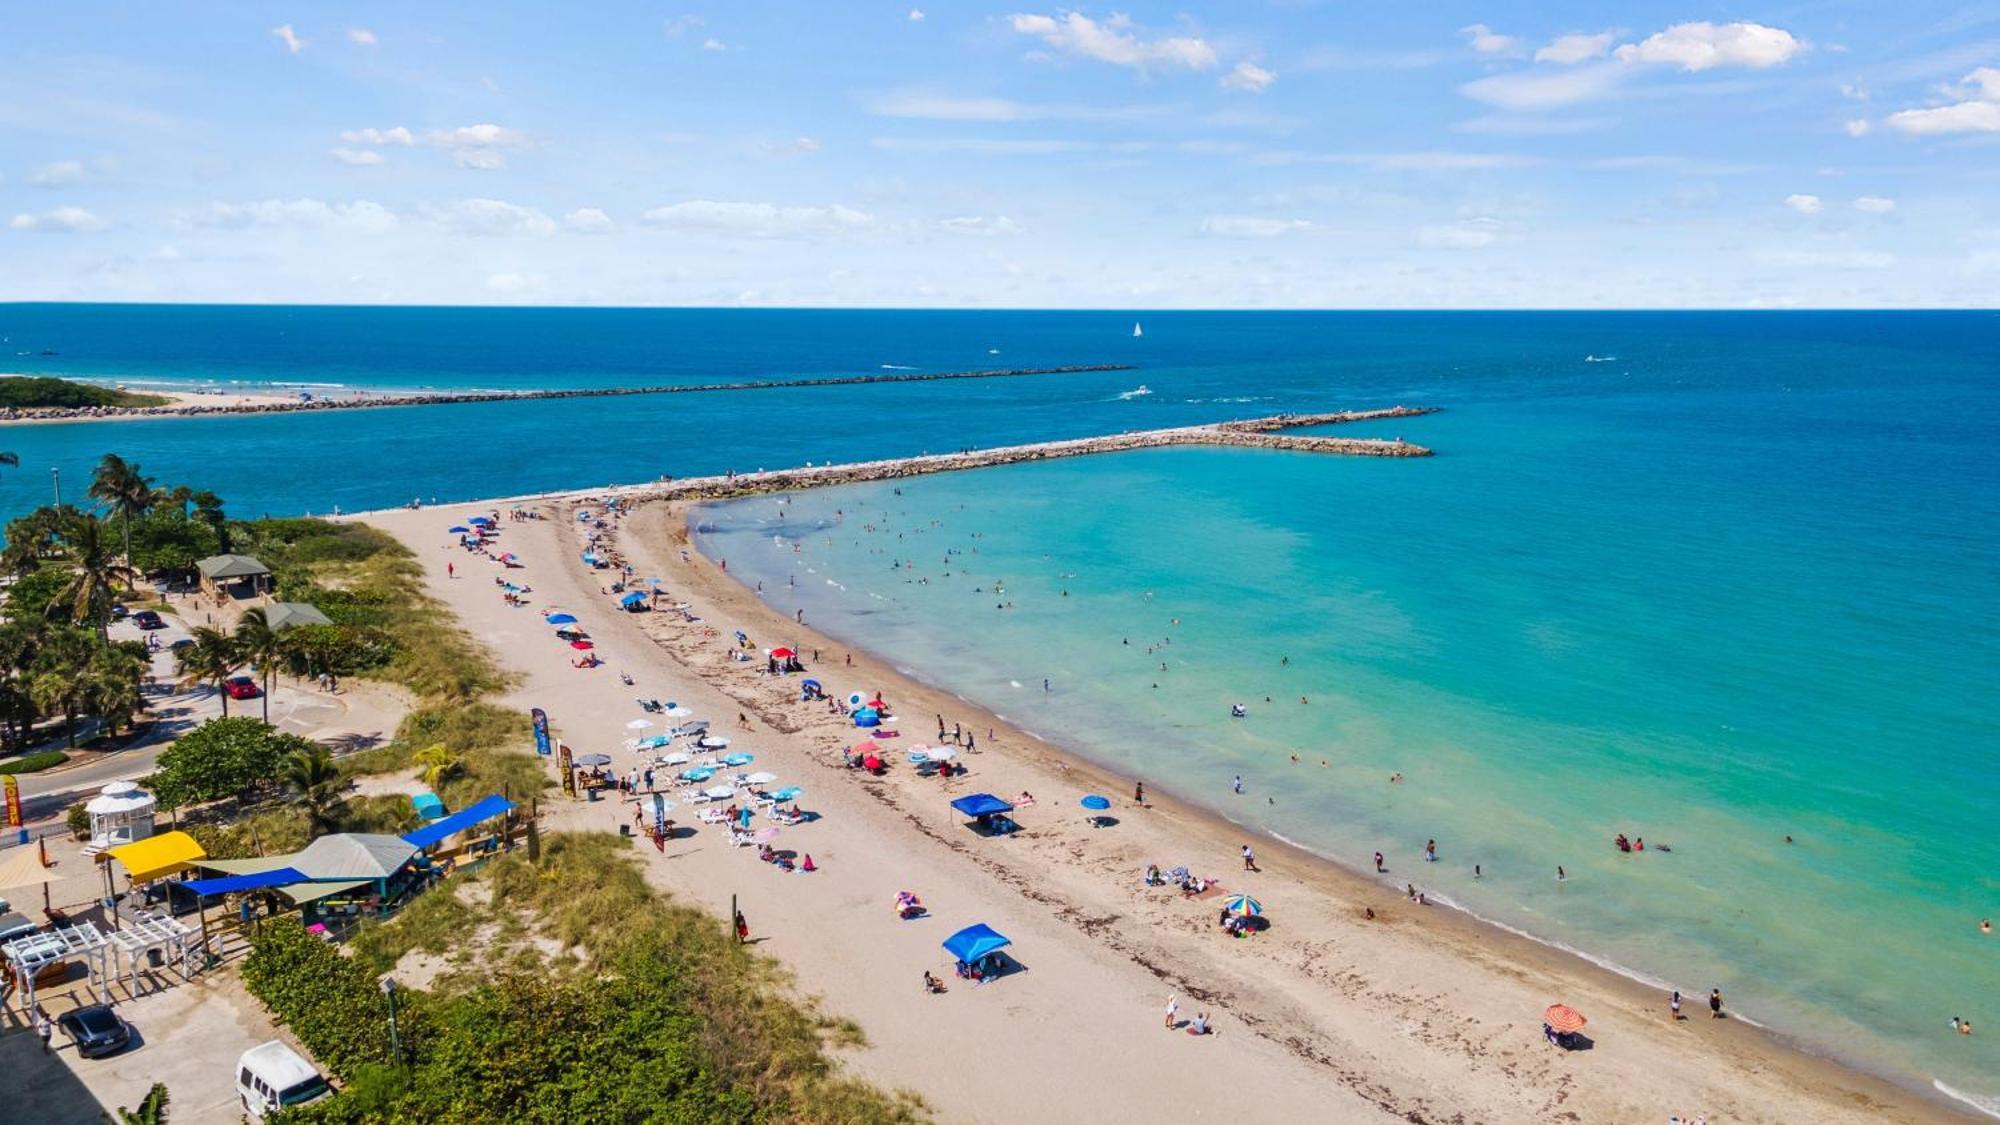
(241, 687)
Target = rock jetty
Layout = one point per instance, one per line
(440, 398)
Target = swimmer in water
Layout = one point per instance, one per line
(1561, 875)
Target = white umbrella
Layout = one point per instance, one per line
(677, 712)
(940, 753)
(761, 777)
(720, 792)
(639, 724)
(676, 760)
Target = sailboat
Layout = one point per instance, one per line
(1137, 331)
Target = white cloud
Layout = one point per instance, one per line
(1828, 259)
(1403, 161)
(292, 42)
(60, 173)
(945, 107)
(1704, 46)
(393, 136)
(1545, 89)
(1249, 77)
(1252, 226)
(1466, 234)
(1504, 125)
(1113, 41)
(1978, 111)
(477, 146)
(988, 146)
(1854, 91)
(361, 37)
(488, 217)
(588, 220)
(1857, 126)
(357, 157)
(1487, 41)
(61, 220)
(916, 15)
(803, 146)
(359, 214)
(714, 45)
(979, 224)
(1568, 50)
(681, 25)
(757, 220)
(1875, 204)
(1805, 204)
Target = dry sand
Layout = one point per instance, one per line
(1419, 1014)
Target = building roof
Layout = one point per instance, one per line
(159, 855)
(224, 567)
(284, 615)
(343, 855)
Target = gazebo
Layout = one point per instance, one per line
(289, 615)
(221, 572)
(119, 814)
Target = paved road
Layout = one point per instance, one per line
(47, 795)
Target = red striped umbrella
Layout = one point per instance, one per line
(1563, 1018)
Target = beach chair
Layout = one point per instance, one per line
(742, 840)
(713, 816)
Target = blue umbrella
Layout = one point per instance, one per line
(789, 793)
(479, 520)
(738, 759)
(560, 619)
(974, 942)
(459, 530)
(1096, 803)
(699, 773)
(632, 598)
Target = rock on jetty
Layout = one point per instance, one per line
(440, 398)
(1255, 433)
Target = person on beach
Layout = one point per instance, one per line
(1238, 783)
(1379, 869)
(742, 927)
(1139, 798)
(1249, 859)
(1200, 1025)
(1561, 875)
(1476, 873)
(450, 570)
(932, 985)
(1715, 1003)
(1431, 852)
(1674, 1006)
(1174, 1007)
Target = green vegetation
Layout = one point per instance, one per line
(152, 1108)
(673, 1021)
(38, 392)
(34, 763)
(221, 758)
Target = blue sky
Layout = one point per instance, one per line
(1257, 155)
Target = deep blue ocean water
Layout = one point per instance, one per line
(1709, 579)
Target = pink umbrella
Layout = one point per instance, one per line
(765, 835)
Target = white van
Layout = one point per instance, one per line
(272, 1075)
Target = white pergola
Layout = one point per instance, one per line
(26, 957)
(140, 935)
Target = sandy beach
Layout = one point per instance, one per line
(179, 404)
(1419, 1013)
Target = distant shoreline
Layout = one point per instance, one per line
(191, 406)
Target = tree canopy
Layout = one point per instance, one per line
(221, 758)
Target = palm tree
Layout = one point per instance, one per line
(436, 762)
(262, 646)
(151, 1111)
(59, 689)
(318, 782)
(91, 589)
(212, 656)
(122, 489)
(111, 682)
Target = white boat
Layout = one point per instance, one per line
(1136, 330)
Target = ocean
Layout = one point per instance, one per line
(1709, 579)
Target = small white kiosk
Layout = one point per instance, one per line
(120, 814)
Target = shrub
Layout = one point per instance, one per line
(34, 763)
(220, 758)
(330, 1002)
(78, 820)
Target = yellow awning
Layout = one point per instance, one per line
(155, 856)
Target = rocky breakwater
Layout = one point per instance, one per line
(1256, 433)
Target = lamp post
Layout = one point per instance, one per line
(395, 1041)
(55, 477)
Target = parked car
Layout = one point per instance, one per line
(241, 687)
(96, 1030)
(147, 619)
(271, 1076)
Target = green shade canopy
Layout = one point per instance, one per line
(285, 615)
(228, 568)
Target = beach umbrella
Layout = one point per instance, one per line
(560, 619)
(789, 793)
(1564, 1018)
(676, 711)
(698, 773)
(633, 598)
(461, 529)
(720, 792)
(1248, 907)
(940, 753)
(1096, 803)
(783, 653)
(871, 762)
(761, 777)
(593, 759)
(867, 747)
(813, 684)
(856, 700)
(711, 742)
(738, 759)
(766, 835)
(676, 759)
(581, 644)
(638, 724)
(509, 556)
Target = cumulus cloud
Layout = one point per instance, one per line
(1248, 77)
(979, 224)
(1568, 50)
(588, 220)
(1702, 45)
(1545, 89)
(1252, 226)
(916, 15)
(361, 37)
(488, 217)
(1487, 41)
(757, 220)
(1114, 41)
(359, 214)
(392, 136)
(1875, 204)
(357, 157)
(1976, 111)
(1466, 234)
(1857, 126)
(1805, 204)
(714, 45)
(289, 38)
(800, 146)
(60, 220)
(477, 146)
(60, 173)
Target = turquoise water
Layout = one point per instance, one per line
(1736, 583)
(1710, 617)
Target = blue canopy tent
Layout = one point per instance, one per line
(560, 619)
(427, 805)
(632, 599)
(486, 808)
(282, 877)
(982, 804)
(975, 942)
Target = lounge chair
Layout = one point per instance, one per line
(713, 816)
